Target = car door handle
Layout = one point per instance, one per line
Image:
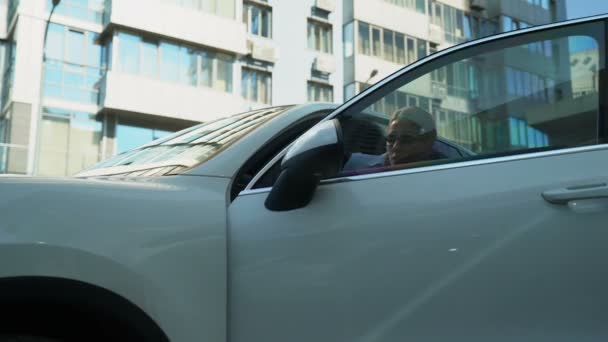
(565, 195)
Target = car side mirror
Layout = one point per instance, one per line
(317, 154)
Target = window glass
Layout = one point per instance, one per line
(94, 51)
(400, 48)
(149, 59)
(255, 20)
(388, 45)
(206, 69)
(88, 10)
(421, 48)
(129, 137)
(320, 36)
(75, 47)
(55, 42)
(256, 85)
(420, 7)
(348, 40)
(73, 65)
(319, 92)
(266, 23)
(175, 63)
(188, 66)
(169, 67)
(129, 52)
(376, 42)
(364, 41)
(224, 73)
(492, 104)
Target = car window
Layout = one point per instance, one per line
(179, 151)
(272, 148)
(527, 93)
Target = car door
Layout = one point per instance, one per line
(508, 244)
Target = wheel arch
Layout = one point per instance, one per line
(48, 304)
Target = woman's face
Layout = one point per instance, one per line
(405, 144)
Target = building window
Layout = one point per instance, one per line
(542, 47)
(224, 8)
(8, 77)
(87, 10)
(349, 39)
(12, 10)
(174, 63)
(320, 36)
(70, 142)
(450, 19)
(258, 19)
(74, 65)
(319, 92)
(129, 136)
(391, 46)
(256, 85)
(416, 5)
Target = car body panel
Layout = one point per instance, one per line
(460, 253)
(158, 242)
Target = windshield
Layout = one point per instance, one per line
(189, 147)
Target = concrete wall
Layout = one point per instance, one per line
(19, 133)
(293, 68)
(133, 93)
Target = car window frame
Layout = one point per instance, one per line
(459, 52)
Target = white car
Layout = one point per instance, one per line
(463, 198)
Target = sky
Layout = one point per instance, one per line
(585, 8)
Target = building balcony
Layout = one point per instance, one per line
(324, 63)
(126, 94)
(326, 5)
(262, 49)
(164, 19)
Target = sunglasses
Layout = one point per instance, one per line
(402, 138)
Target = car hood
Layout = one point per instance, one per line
(78, 212)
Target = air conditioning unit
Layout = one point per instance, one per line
(324, 64)
(326, 5)
(478, 5)
(261, 51)
(435, 33)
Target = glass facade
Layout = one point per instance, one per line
(69, 142)
(320, 92)
(224, 8)
(320, 37)
(130, 136)
(256, 85)
(74, 65)
(389, 45)
(87, 10)
(258, 19)
(174, 63)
